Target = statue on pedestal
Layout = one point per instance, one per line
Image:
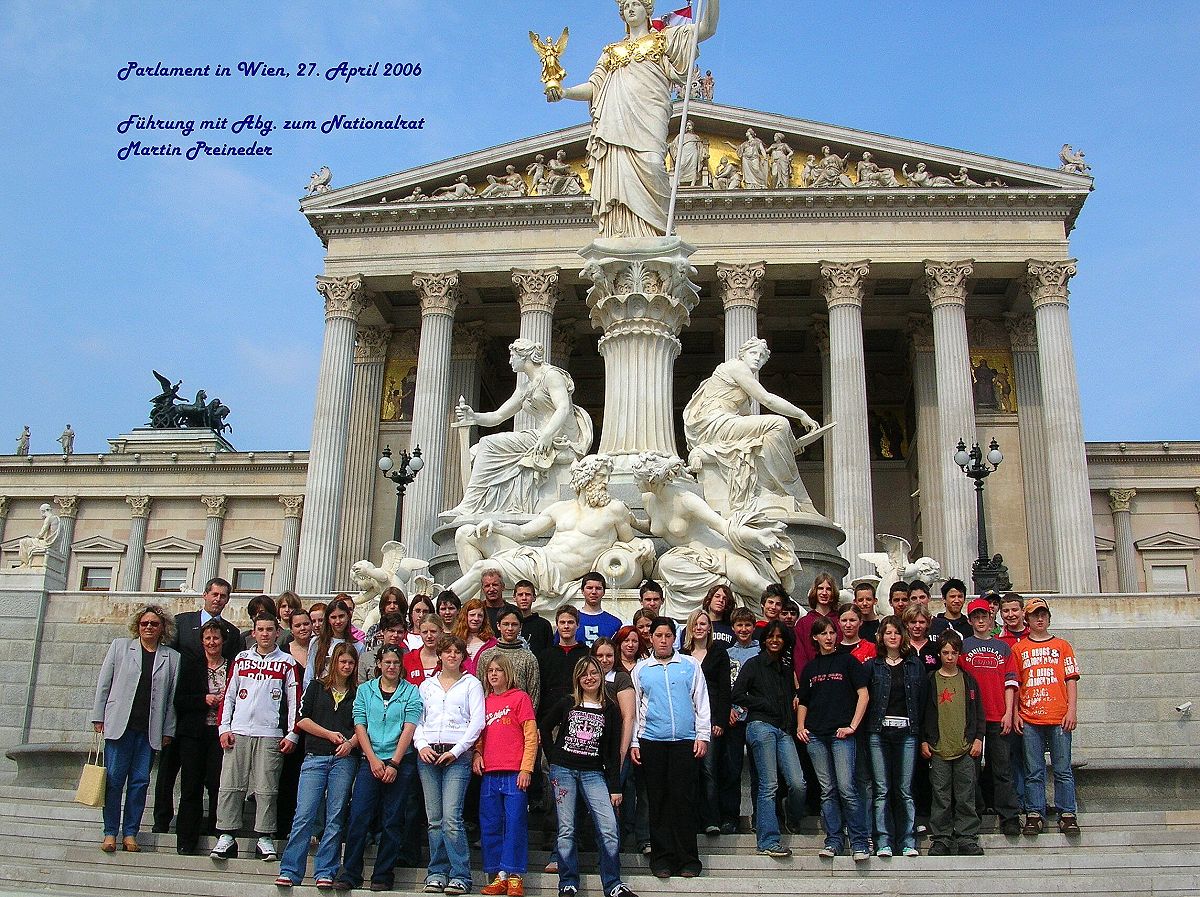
(629, 93)
(23, 442)
(745, 549)
(46, 540)
(893, 565)
(67, 441)
(756, 453)
(780, 155)
(508, 467)
(409, 574)
(753, 156)
(693, 159)
(592, 531)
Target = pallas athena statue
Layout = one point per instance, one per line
(629, 93)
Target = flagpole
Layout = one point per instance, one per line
(687, 97)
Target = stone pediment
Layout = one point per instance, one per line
(473, 184)
(99, 545)
(249, 545)
(1168, 541)
(173, 545)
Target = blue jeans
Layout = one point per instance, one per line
(325, 781)
(893, 757)
(833, 761)
(1016, 753)
(503, 824)
(774, 753)
(566, 784)
(369, 793)
(127, 763)
(1037, 740)
(445, 790)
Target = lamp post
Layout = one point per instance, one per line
(988, 573)
(410, 466)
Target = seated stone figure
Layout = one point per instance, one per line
(32, 548)
(755, 453)
(508, 468)
(743, 549)
(592, 531)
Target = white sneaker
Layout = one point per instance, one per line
(265, 849)
(911, 852)
(827, 852)
(860, 855)
(225, 849)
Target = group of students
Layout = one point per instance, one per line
(442, 710)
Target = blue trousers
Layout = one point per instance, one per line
(503, 824)
(325, 781)
(775, 756)
(893, 756)
(369, 792)
(127, 770)
(445, 790)
(567, 784)
(1038, 740)
(834, 760)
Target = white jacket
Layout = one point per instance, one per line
(256, 692)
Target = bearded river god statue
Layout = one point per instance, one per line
(629, 93)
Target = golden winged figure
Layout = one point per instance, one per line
(549, 51)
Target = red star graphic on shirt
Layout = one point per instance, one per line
(946, 696)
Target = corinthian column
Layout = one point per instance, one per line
(3, 516)
(431, 408)
(930, 445)
(537, 294)
(1022, 333)
(214, 523)
(326, 483)
(820, 324)
(285, 576)
(851, 447)
(1120, 502)
(946, 283)
(135, 553)
(469, 342)
(370, 351)
(741, 291)
(1070, 495)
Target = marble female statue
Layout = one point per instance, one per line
(753, 156)
(780, 155)
(755, 452)
(744, 549)
(693, 158)
(508, 184)
(629, 93)
(508, 467)
(871, 175)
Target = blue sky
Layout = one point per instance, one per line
(204, 270)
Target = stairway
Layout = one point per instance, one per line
(51, 846)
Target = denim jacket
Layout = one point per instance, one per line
(879, 687)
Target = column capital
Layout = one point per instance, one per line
(537, 289)
(920, 333)
(946, 282)
(3, 506)
(292, 505)
(469, 340)
(139, 505)
(820, 329)
(371, 344)
(440, 293)
(1120, 499)
(68, 505)
(741, 285)
(344, 296)
(1022, 332)
(844, 282)
(215, 505)
(1047, 281)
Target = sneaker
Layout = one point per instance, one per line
(860, 855)
(324, 884)
(516, 886)
(778, 851)
(712, 830)
(911, 852)
(265, 850)
(729, 828)
(970, 849)
(1068, 824)
(1010, 827)
(551, 868)
(644, 847)
(284, 882)
(827, 852)
(433, 886)
(497, 886)
(621, 891)
(1034, 825)
(884, 852)
(382, 885)
(568, 891)
(226, 849)
(456, 886)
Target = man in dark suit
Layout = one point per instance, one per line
(187, 642)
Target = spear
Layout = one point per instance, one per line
(687, 97)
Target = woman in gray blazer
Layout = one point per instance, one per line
(135, 710)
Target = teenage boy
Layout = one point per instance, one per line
(865, 600)
(898, 597)
(261, 692)
(535, 628)
(1046, 717)
(1012, 618)
(918, 592)
(594, 620)
(952, 740)
(491, 588)
(510, 644)
(729, 791)
(650, 596)
(789, 614)
(772, 606)
(954, 596)
(391, 632)
(556, 664)
(994, 667)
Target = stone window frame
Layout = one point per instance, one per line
(185, 578)
(1169, 549)
(87, 569)
(172, 553)
(249, 553)
(236, 575)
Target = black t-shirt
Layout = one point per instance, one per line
(829, 687)
(928, 653)
(536, 632)
(897, 704)
(941, 623)
(139, 713)
(869, 630)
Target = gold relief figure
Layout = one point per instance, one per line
(549, 51)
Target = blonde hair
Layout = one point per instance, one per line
(167, 634)
(506, 667)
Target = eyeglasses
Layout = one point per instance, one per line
(152, 624)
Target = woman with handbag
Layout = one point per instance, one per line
(135, 711)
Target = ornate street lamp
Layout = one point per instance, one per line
(410, 466)
(987, 572)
